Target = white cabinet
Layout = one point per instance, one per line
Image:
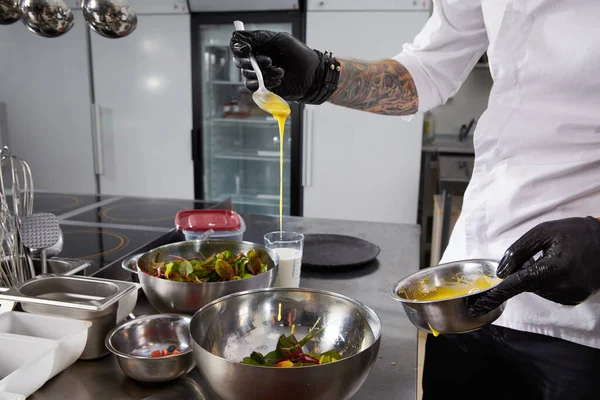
(45, 87)
(358, 165)
(142, 89)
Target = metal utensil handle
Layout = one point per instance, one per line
(308, 147)
(130, 264)
(97, 141)
(239, 26)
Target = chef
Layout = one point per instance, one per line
(535, 189)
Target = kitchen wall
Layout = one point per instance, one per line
(469, 102)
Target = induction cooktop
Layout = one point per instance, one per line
(159, 213)
(61, 203)
(102, 246)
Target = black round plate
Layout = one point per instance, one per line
(335, 251)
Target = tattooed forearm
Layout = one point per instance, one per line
(382, 87)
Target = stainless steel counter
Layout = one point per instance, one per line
(393, 376)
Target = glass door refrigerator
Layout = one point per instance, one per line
(236, 144)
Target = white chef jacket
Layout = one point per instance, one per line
(537, 146)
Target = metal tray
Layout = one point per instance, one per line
(58, 266)
(74, 292)
(61, 266)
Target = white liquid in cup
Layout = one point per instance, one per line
(290, 261)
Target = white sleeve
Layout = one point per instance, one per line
(445, 51)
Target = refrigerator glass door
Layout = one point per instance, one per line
(240, 141)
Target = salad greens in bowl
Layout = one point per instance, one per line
(182, 277)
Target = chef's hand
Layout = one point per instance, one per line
(568, 272)
(290, 69)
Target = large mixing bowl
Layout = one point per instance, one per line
(447, 315)
(231, 328)
(188, 297)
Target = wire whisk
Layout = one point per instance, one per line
(16, 265)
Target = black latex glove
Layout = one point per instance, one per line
(290, 69)
(568, 272)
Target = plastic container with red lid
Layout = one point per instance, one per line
(226, 224)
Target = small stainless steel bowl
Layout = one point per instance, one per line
(232, 327)
(447, 315)
(133, 342)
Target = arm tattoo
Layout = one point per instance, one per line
(382, 87)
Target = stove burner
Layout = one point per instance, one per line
(113, 241)
(128, 212)
(56, 203)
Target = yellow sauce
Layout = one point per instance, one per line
(279, 315)
(435, 333)
(453, 289)
(280, 112)
(456, 287)
(293, 329)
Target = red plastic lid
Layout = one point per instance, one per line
(203, 220)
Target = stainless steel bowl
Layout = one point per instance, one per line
(47, 18)
(448, 315)
(9, 12)
(110, 18)
(186, 297)
(133, 342)
(229, 329)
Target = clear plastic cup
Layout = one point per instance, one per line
(288, 246)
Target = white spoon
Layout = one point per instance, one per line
(265, 99)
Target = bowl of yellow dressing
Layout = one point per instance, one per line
(436, 299)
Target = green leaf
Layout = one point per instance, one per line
(254, 262)
(287, 346)
(311, 334)
(202, 273)
(236, 278)
(329, 356)
(185, 268)
(156, 268)
(225, 255)
(258, 357)
(272, 357)
(299, 364)
(169, 270)
(242, 266)
(263, 268)
(209, 261)
(176, 276)
(223, 269)
(250, 361)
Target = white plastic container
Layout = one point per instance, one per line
(70, 335)
(25, 363)
(226, 224)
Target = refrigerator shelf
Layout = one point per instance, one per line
(251, 120)
(232, 83)
(249, 157)
(266, 200)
